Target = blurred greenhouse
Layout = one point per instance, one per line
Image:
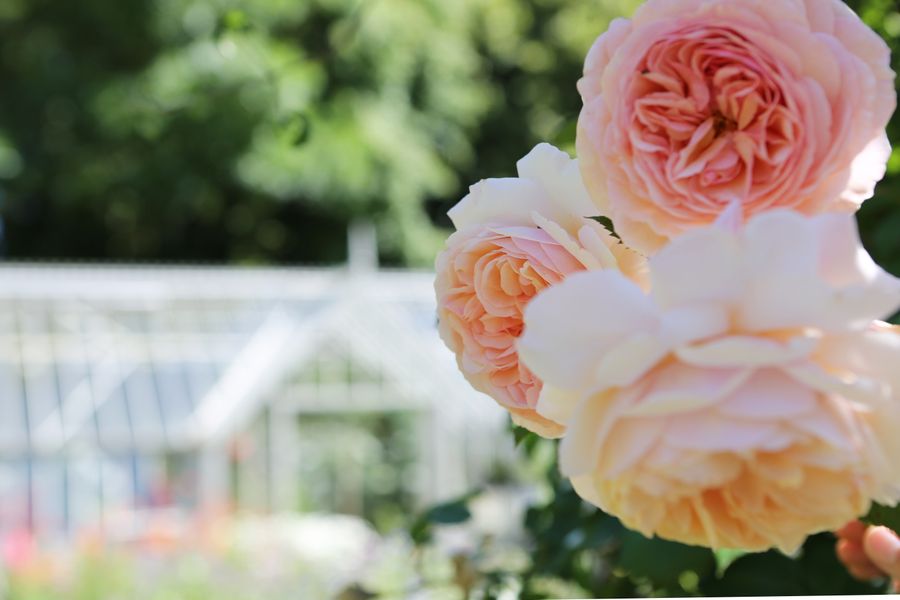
(129, 391)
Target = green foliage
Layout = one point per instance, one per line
(816, 571)
(256, 130)
(522, 436)
(449, 513)
(883, 515)
(576, 550)
(664, 563)
(104, 577)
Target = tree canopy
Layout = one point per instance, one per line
(254, 131)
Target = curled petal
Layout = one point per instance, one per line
(747, 351)
(557, 404)
(549, 184)
(571, 326)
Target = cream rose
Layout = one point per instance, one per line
(748, 401)
(516, 237)
(694, 104)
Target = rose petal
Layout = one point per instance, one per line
(571, 326)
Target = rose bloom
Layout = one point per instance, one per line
(693, 104)
(516, 237)
(749, 401)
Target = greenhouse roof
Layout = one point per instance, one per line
(125, 358)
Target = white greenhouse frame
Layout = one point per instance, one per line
(105, 370)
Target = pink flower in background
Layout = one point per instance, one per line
(694, 104)
(748, 401)
(516, 237)
(18, 550)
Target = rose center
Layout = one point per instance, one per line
(723, 124)
(709, 106)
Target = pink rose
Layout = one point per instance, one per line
(748, 401)
(516, 237)
(694, 104)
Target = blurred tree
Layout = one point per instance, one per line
(255, 130)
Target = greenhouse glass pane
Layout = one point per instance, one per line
(247, 318)
(7, 318)
(43, 400)
(222, 349)
(134, 321)
(174, 396)
(201, 376)
(144, 407)
(114, 420)
(118, 484)
(422, 315)
(13, 494)
(48, 484)
(84, 491)
(13, 418)
(78, 405)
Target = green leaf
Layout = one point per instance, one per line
(766, 574)
(235, 20)
(297, 129)
(520, 435)
(824, 573)
(448, 513)
(883, 515)
(726, 556)
(607, 223)
(601, 530)
(565, 134)
(663, 562)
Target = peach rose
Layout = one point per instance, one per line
(516, 237)
(748, 401)
(693, 104)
